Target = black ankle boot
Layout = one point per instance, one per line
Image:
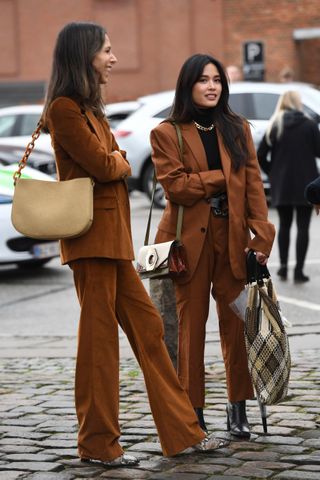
(237, 422)
(283, 272)
(202, 423)
(299, 276)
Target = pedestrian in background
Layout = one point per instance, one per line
(109, 290)
(287, 153)
(220, 187)
(234, 73)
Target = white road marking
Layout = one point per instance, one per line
(299, 303)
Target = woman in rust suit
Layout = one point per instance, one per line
(109, 290)
(220, 186)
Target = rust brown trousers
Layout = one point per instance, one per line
(214, 273)
(215, 247)
(111, 294)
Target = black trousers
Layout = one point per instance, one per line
(303, 217)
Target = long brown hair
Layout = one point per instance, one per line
(72, 72)
(229, 124)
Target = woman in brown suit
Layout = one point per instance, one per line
(220, 186)
(109, 290)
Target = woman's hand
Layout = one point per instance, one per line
(317, 209)
(261, 257)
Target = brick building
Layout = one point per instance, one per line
(151, 39)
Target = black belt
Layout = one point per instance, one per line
(219, 205)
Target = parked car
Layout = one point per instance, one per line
(40, 160)
(255, 101)
(17, 124)
(117, 112)
(14, 247)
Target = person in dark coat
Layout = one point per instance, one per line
(287, 153)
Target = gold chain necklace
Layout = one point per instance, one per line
(202, 128)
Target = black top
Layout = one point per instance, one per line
(209, 139)
(293, 158)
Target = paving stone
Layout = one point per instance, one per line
(26, 435)
(313, 443)
(246, 446)
(302, 459)
(311, 468)
(287, 449)
(31, 457)
(275, 430)
(311, 434)
(58, 443)
(16, 441)
(249, 471)
(50, 476)
(12, 475)
(225, 477)
(265, 456)
(33, 466)
(280, 440)
(203, 469)
(269, 465)
(126, 473)
(140, 431)
(150, 447)
(61, 452)
(228, 462)
(297, 475)
(179, 476)
(18, 449)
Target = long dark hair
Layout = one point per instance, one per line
(229, 124)
(72, 72)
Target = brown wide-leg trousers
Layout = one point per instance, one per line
(193, 299)
(111, 293)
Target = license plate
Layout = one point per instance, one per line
(44, 250)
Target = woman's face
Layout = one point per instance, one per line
(103, 61)
(206, 92)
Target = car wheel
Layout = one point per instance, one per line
(147, 185)
(30, 264)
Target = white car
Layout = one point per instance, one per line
(18, 123)
(119, 111)
(255, 101)
(14, 247)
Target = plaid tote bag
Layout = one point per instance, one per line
(265, 336)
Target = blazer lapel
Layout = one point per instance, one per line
(192, 138)
(225, 157)
(94, 122)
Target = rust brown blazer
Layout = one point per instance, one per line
(191, 184)
(84, 146)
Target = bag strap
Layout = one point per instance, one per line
(255, 271)
(181, 208)
(23, 162)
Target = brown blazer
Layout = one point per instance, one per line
(191, 184)
(84, 146)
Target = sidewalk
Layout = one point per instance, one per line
(38, 424)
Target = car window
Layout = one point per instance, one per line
(164, 113)
(6, 125)
(255, 105)
(28, 124)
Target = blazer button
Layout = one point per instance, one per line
(203, 230)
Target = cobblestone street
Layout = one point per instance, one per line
(38, 427)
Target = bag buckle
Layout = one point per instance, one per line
(151, 259)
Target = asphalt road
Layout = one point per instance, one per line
(42, 304)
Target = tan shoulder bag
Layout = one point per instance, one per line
(51, 210)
